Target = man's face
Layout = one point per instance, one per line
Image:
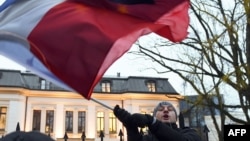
(166, 114)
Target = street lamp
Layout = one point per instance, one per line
(206, 130)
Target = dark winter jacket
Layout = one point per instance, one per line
(165, 132)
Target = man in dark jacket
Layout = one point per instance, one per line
(162, 125)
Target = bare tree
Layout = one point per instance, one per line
(214, 59)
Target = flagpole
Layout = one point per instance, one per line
(101, 103)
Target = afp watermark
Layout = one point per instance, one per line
(241, 132)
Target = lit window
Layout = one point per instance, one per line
(112, 123)
(69, 121)
(36, 120)
(151, 86)
(81, 121)
(45, 84)
(100, 121)
(3, 112)
(49, 121)
(106, 87)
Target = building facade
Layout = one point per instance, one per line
(39, 105)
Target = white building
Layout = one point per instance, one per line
(37, 104)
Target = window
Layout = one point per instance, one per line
(69, 121)
(195, 117)
(151, 86)
(49, 121)
(81, 121)
(106, 86)
(100, 121)
(112, 123)
(36, 120)
(3, 112)
(45, 84)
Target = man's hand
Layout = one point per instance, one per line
(123, 115)
(142, 120)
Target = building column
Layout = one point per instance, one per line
(29, 118)
(16, 114)
(59, 121)
(75, 122)
(43, 120)
(106, 123)
(91, 122)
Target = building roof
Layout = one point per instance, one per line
(137, 84)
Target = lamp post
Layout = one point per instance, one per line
(65, 136)
(18, 127)
(101, 135)
(121, 134)
(83, 136)
(206, 130)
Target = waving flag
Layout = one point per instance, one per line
(5, 3)
(73, 42)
